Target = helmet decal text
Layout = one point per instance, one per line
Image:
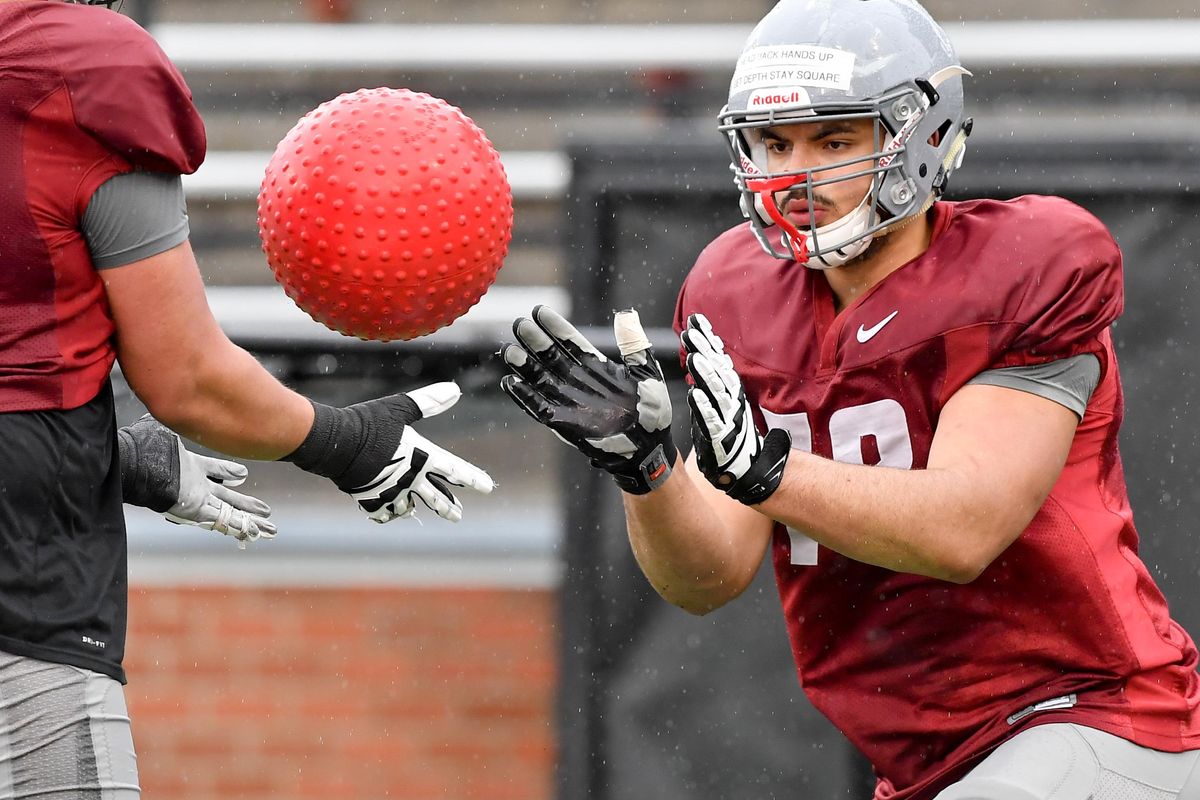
(785, 65)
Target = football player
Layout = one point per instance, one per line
(913, 406)
(97, 127)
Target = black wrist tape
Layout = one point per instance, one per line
(351, 445)
(334, 440)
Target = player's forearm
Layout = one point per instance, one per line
(227, 401)
(688, 552)
(934, 522)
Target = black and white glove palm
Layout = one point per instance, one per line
(729, 450)
(158, 472)
(371, 451)
(617, 413)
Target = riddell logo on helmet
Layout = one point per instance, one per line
(748, 166)
(790, 96)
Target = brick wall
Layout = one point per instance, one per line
(353, 693)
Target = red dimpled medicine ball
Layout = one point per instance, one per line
(385, 214)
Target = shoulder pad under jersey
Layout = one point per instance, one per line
(124, 89)
(1062, 268)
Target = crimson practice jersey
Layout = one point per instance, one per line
(922, 675)
(87, 95)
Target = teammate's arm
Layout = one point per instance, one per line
(172, 352)
(182, 366)
(185, 369)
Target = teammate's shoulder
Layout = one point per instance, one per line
(100, 35)
(124, 89)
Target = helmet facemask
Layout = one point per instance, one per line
(902, 185)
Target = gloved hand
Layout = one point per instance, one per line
(618, 414)
(371, 451)
(159, 473)
(729, 450)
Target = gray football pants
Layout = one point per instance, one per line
(64, 734)
(1061, 761)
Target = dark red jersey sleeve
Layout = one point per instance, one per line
(125, 91)
(1073, 283)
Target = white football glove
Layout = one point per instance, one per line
(729, 450)
(371, 451)
(420, 470)
(187, 488)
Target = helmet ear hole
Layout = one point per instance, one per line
(939, 135)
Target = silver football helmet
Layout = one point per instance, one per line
(826, 60)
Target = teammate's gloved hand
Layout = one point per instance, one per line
(158, 472)
(618, 414)
(371, 451)
(729, 450)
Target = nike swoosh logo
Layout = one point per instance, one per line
(867, 334)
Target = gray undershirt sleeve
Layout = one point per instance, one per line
(1068, 382)
(134, 216)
